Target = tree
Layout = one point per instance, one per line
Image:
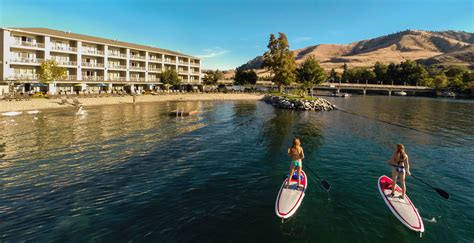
(243, 77)
(169, 77)
(280, 61)
(212, 77)
(440, 81)
(412, 72)
(393, 73)
(380, 71)
(344, 77)
(310, 74)
(50, 72)
(334, 76)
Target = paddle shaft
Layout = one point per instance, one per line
(423, 181)
(324, 183)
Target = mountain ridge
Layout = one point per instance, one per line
(439, 48)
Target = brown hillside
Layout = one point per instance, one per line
(443, 46)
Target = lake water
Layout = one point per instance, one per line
(129, 173)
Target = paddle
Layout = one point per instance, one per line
(441, 192)
(324, 183)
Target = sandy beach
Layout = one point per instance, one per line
(38, 104)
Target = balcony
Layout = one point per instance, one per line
(92, 52)
(137, 57)
(115, 54)
(183, 62)
(183, 71)
(71, 78)
(27, 60)
(153, 79)
(93, 65)
(66, 63)
(28, 44)
(195, 72)
(154, 69)
(117, 66)
(170, 61)
(137, 79)
(155, 59)
(25, 76)
(195, 64)
(92, 78)
(137, 68)
(121, 79)
(63, 48)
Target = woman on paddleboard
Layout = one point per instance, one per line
(296, 154)
(400, 166)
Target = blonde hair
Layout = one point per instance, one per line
(401, 154)
(296, 145)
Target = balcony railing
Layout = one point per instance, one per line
(115, 54)
(123, 79)
(93, 52)
(71, 77)
(64, 48)
(170, 61)
(91, 64)
(66, 63)
(154, 69)
(153, 79)
(137, 68)
(140, 79)
(28, 44)
(195, 72)
(25, 76)
(117, 66)
(183, 62)
(155, 59)
(27, 60)
(182, 71)
(138, 57)
(92, 78)
(194, 64)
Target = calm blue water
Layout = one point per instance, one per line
(133, 174)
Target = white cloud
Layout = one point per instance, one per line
(214, 52)
(302, 39)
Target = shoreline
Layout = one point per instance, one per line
(41, 104)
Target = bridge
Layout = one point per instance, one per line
(364, 88)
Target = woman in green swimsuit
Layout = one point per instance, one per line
(296, 154)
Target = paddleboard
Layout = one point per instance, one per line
(289, 198)
(403, 209)
(12, 113)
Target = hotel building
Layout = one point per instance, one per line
(92, 63)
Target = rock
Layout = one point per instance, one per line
(318, 104)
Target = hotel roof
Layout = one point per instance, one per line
(87, 38)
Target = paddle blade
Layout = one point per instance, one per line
(442, 193)
(325, 185)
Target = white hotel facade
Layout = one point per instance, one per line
(92, 63)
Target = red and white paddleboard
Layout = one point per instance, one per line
(289, 199)
(403, 209)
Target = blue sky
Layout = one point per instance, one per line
(226, 34)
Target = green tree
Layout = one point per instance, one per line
(280, 61)
(393, 73)
(344, 77)
(310, 74)
(440, 81)
(212, 77)
(50, 71)
(380, 71)
(169, 77)
(412, 72)
(334, 76)
(243, 77)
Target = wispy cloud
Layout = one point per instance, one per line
(302, 39)
(213, 52)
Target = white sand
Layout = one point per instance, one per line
(37, 104)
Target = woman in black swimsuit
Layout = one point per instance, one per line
(400, 166)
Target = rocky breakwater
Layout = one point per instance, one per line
(317, 104)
